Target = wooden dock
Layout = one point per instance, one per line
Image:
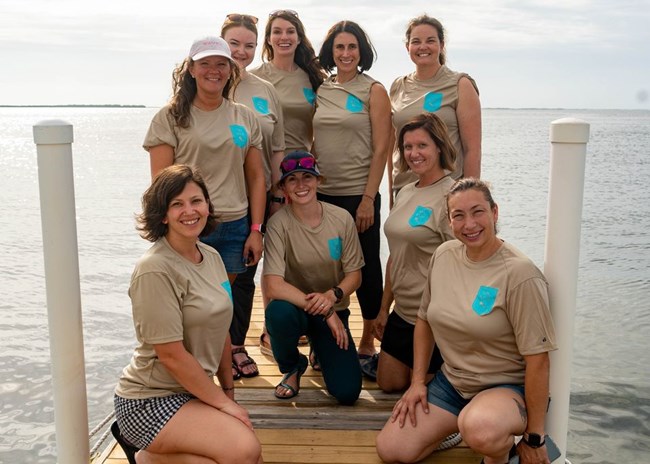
(312, 427)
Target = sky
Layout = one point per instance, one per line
(522, 53)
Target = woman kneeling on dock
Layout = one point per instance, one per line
(485, 306)
(167, 405)
(312, 263)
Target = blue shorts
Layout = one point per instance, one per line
(442, 394)
(228, 239)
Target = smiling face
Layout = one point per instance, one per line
(242, 43)
(211, 74)
(301, 187)
(187, 214)
(473, 222)
(346, 53)
(424, 45)
(283, 38)
(422, 155)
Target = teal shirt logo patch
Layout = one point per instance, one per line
(484, 301)
(239, 135)
(353, 104)
(336, 246)
(309, 94)
(420, 216)
(227, 288)
(261, 105)
(432, 102)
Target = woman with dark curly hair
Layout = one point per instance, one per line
(180, 296)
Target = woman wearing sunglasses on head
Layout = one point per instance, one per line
(352, 129)
(434, 88)
(204, 128)
(240, 32)
(312, 264)
(291, 66)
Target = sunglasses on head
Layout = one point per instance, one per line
(240, 18)
(289, 165)
(275, 13)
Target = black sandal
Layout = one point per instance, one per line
(247, 362)
(298, 371)
(129, 449)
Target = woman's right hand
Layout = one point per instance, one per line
(379, 325)
(417, 393)
(338, 331)
(236, 411)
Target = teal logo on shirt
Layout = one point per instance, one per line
(432, 102)
(353, 105)
(227, 288)
(484, 300)
(335, 245)
(309, 94)
(239, 135)
(261, 105)
(420, 216)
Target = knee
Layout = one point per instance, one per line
(479, 431)
(390, 384)
(248, 450)
(278, 315)
(390, 449)
(345, 395)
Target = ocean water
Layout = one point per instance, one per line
(610, 400)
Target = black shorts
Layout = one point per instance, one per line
(398, 342)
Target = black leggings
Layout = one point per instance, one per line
(372, 281)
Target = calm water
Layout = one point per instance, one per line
(610, 401)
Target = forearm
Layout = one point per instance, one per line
(423, 343)
(276, 288)
(254, 173)
(536, 385)
(224, 373)
(276, 159)
(387, 297)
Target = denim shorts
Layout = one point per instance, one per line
(141, 420)
(228, 239)
(442, 394)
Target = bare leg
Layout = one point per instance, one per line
(490, 421)
(367, 342)
(392, 374)
(199, 433)
(411, 444)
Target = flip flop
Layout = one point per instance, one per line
(129, 449)
(247, 362)
(298, 371)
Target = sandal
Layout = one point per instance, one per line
(265, 346)
(129, 449)
(297, 371)
(369, 363)
(246, 362)
(236, 375)
(313, 360)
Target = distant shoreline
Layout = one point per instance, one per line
(72, 106)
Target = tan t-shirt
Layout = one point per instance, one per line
(174, 300)
(343, 135)
(416, 226)
(260, 96)
(216, 142)
(410, 97)
(486, 316)
(297, 98)
(313, 260)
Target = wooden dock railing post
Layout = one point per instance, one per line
(569, 139)
(56, 184)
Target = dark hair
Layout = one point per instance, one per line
(433, 22)
(472, 183)
(167, 184)
(184, 90)
(437, 130)
(241, 20)
(305, 57)
(366, 50)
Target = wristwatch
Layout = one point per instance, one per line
(533, 440)
(278, 200)
(338, 293)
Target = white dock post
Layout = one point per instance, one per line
(569, 139)
(53, 145)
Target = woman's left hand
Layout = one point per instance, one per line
(318, 303)
(338, 331)
(528, 455)
(253, 248)
(365, 216)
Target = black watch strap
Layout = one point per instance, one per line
(338, 293)
(534, 440)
